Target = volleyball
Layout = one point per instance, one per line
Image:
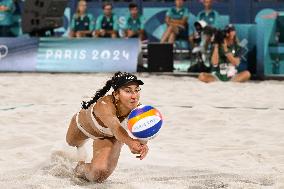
(144, 122)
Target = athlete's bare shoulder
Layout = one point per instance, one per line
(106, 100)
(105, 105)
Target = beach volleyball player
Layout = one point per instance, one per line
(104, 119)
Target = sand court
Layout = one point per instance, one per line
(219, 135)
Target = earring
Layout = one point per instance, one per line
(116, 101)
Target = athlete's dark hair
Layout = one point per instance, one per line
(100, 93)
(118, 80)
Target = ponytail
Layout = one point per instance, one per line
(100, 93)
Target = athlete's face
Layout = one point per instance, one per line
(108, 10)
(207, 3)
(179, 3)
(134, 11)
(129, 95)
(82, 6)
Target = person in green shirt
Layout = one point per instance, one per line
(82, 24)
(107, 23)
(209, 15)
(225, 59)
(7, 8)
(176, 20)
(134, 23)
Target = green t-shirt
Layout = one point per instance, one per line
(209, 17)
(6, 17)
(135, 24)
(178, 14)
(107, 23)
(225, 70)
(83, 23)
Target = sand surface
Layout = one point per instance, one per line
(220, 135)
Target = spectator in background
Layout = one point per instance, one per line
(225, 59)
(209, 15)
(107, 23)
(176, 20)
(7, 8)
(82, 23)
(134, 23)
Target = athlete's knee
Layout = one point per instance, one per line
(103, 174)
(99, 174)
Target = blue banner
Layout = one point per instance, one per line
(68, 55)
(18, 54)
(87, 55)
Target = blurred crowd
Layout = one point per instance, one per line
(106, 25)
(7, 9)
(216, 51)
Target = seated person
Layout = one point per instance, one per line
(209, 15)
(82, 24)
(225, 58)
(107, 23)
(134, 23)
(176, 20)
(7, 8)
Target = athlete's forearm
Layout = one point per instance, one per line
(122, 135)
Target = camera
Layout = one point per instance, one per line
(200, 54)
(199, 27)
(219, 36)
(196, 38)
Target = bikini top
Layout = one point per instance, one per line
(105, 130)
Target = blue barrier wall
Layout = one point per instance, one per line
(65, 55)
(270, 51)
(18, 54)
(246, 35)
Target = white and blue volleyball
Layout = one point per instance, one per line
(144, 122)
